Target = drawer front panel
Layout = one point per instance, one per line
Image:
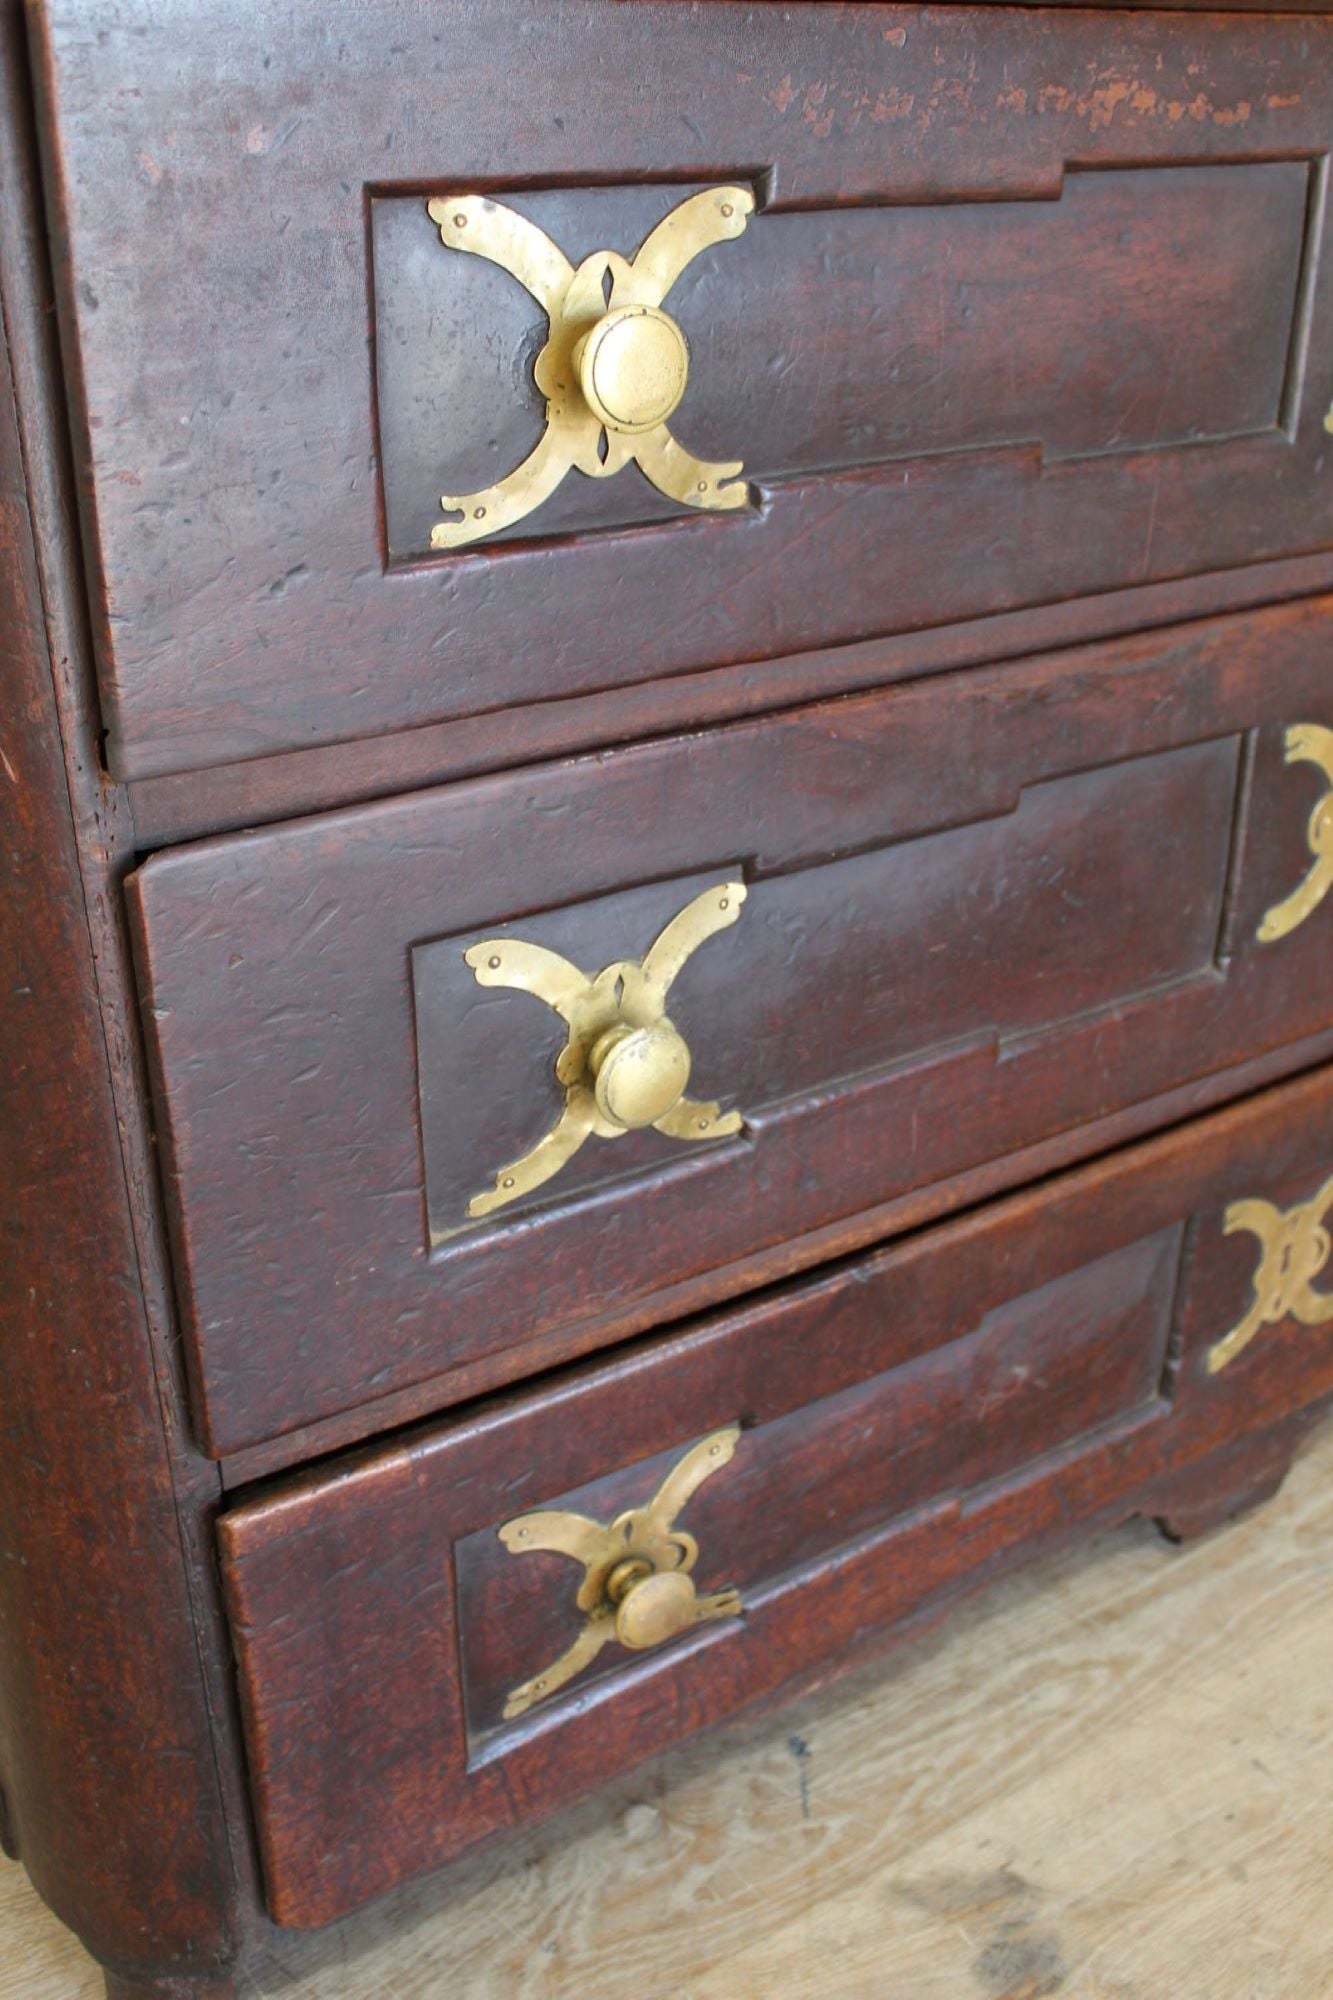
(1035, 1372)
(996, 931)
(286, 360)
(910, 363)
(965, 918)
(861, 1443)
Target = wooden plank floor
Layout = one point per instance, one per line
(1109, 1779)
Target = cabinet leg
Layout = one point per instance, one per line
(1227, 1483)
(183, 1987)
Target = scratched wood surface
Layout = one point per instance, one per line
(238, 586)
(986, 824)
(1109, 1779)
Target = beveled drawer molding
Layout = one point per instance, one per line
(936, 424)
(912, 1419)
(926, 978)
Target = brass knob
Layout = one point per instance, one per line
(654, 1608)
(624, 1065)
(637, 1586)
(614, 364)
(639, 1074)
(633, 366)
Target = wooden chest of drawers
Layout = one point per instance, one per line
(669, 962)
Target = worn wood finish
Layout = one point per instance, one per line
(883, 1023)
(349, 1587)
(244, 601)
(1000, 921)
(1217, 1490)
(229, 796)
(918, 1815)
(853, 967)
(976, 1374)
(802, 1253)
(109, 1790)
(823, 341)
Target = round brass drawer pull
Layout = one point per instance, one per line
(654, 1609)
(640, 1073)
(625, 1064)
(633, 367)
(615, 363)
(637, 1588)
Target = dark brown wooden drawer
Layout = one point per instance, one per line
(1034, 304)
(869, 1441)
(982, 916)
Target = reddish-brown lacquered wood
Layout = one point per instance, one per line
(1214, 1491)
(106, 1751)
(228, 796)
(853, 967)
(944, 328)
(914, 1422)
(801, 1253)
(244, 600)
(908, 1422)
(1044, 918)
(977, 1370)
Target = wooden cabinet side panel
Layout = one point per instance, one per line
(106, 1756)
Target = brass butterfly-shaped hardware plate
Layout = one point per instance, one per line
(614, 365)
(1294, 1249)
(1307, 743)
(637, 1588)
(625, 1064)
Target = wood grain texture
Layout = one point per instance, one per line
(802, 1253)
(283, 1023)
(838, 971)
(118, 1988)
(348, 1587)
(820, 341)
(106, 1751)
(228, 796)
(1114, 1769)
(962, 1393)
(941, 1407)
(242, 600)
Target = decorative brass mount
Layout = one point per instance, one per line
(1307, 743)
(637, 1586)
(1295, 1247)
(625, 1065)
(614, 366)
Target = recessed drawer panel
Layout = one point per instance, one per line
(659, 1016)
(441, 369)
(472, 1624)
